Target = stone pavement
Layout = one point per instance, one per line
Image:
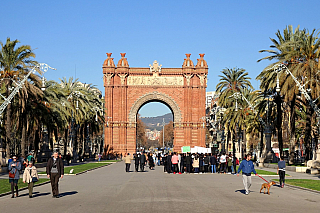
(111, 189)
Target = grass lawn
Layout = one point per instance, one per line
(6, 187)
(263, 172)
(81, 167)
(305, 183)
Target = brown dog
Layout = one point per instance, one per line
(267, 186)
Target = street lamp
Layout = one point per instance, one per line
(163, 124)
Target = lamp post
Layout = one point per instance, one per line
(163, 124)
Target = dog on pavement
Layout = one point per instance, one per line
(267, 186)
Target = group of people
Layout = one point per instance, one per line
(183, 163)
(198, 163)
(20, 165)
(140, 161)
(54, 170)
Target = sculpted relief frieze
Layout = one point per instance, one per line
(155, 80)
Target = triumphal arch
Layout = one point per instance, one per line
(127, 89)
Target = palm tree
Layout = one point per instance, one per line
(232, 81)
(268, 79)
(13, 60)
(303, 60)
(299, 50)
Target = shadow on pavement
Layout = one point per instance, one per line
(68, 193)
(241, 191)
(35, 194)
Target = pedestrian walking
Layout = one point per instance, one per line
(182, 161)
(169, 163)
(213, 163)
(30, 176)
(127, 160)
(136, 161)
(150, 161)
(188, 163)
(247, 168)
(223, 163)
(68, 158)
(55, 170)
(195, 164)
(14, 167)
(229, 163)
(175, 161)
(142, 161)
(206, 162)
(159, 158)
(164, 163)
(281, 171)
(30, 158)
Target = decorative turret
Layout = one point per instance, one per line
(109, 61)
(201, 62)
(187, 62)
(123, 61)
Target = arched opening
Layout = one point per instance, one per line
(154, 126)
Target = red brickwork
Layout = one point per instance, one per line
(127, 89)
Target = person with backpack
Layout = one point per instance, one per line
(281, 171)
(14, 175)
(30, 158)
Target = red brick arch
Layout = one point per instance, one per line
(181, 89)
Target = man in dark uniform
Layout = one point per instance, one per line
(142, 161)
(136, 161)
(169, 163)
(164, 162)
(188, 163)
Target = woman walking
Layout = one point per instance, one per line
(151, 162)
(30, 176)
(14, 175)
(281, 171)
(195, 165)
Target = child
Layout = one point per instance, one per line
(30, 176)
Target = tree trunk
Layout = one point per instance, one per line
(24, 135)
(65, 142)
(261, 142)
(244, 142)
(292, 130)
(8, 124)
(307, 137)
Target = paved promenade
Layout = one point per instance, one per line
(111, 189)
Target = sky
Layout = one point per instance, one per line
(74, 36)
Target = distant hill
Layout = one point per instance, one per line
(156, 122)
